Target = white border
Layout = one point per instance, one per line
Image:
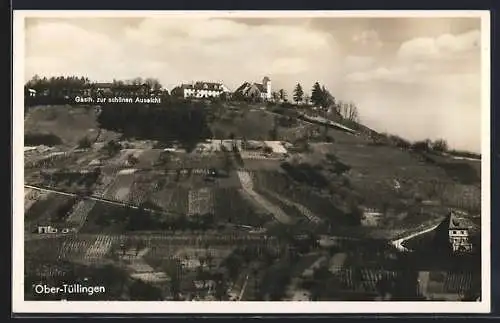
(21, 306)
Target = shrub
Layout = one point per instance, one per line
(423, 145)
(36, 139)
(440, 145)
(84, 143)
(112, 147)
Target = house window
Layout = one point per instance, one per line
(205, 86)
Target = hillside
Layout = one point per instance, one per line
(330, 174)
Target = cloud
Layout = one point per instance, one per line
(445, 46)
(422, 60)
(368, 39)
(358, 63)
(397, 74)
(180, 49)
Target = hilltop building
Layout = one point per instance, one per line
(255, 90)
(200, 90)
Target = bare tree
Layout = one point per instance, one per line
(348, 111)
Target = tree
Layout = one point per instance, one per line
(275, 95)
(317, 94)
(84, 143)
(282, 94)
(328, 99)
(298, 93)
(135, 81)
(348, 111)
(440, 145)
(153, 84)
(132, 160)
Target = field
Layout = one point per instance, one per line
(252, 122)
(70, 124)
(231, 206)
(51, 209)
(120, 188)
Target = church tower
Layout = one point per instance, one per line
(266, 81)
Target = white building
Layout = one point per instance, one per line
(458, 233)
(201, 90)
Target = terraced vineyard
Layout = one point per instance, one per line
(458, 282)
(231, 206)
(52, 209)
(78, 215)
(286, 202)
(273, 209)
(201, 202)
(77, 248)
(120, 188)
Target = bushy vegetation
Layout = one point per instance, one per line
(184, 122)
(36, 139)
(305, 173)
(84, 143)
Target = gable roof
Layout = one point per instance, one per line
(246, 86)
(211, 86)
(243, 87)
(261, 87)
(459, 222)
(108, 85)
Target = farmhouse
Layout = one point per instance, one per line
(277, 148)
(200, 90)
(371, 217)
(255, 90)
(458, 231)
(31, 92)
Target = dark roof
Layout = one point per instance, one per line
(261, 87)
(118, 86)
(460, 222)
(247, 85)
(242, 87)
(103, 85)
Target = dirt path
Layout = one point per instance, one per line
(302, 209)
(247, 185)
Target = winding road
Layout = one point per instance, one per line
(398, 244)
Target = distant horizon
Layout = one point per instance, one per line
(416, 77)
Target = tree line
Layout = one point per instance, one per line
(62, 86)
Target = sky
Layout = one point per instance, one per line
(415, 77)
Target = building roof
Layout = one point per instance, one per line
(459, 222)
(103, 85)
(243, 88)
(118, 86)
(204, 86)
(261, 87)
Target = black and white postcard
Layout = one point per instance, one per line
(251, 162)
